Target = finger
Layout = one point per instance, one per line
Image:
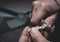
(50, 20)
(39, 11)
(25, 35)
(37, 36)
(30, 39)
(46, 35)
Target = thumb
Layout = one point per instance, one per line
(25, 35)
(37, 36)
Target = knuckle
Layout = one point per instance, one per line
(35, 3)
(46, 6)
(43, 5)
(39, 3)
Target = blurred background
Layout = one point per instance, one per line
(15, 6)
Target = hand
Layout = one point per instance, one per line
(24, 36)
(35, 34)
(44, 9)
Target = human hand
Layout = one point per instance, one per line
(35, 35)
(24, 36)
(44, 9)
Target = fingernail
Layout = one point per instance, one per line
(33, 30)
(49, 25)
(29, 30)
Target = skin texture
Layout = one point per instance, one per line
(35, 35)
(41, 9)
(24, 36)
(44, 9)
(58, 1)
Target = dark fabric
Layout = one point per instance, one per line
(13, 21)
(11, 36)
(12, 26)
(56, 34)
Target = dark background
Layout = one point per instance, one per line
(17, 6)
